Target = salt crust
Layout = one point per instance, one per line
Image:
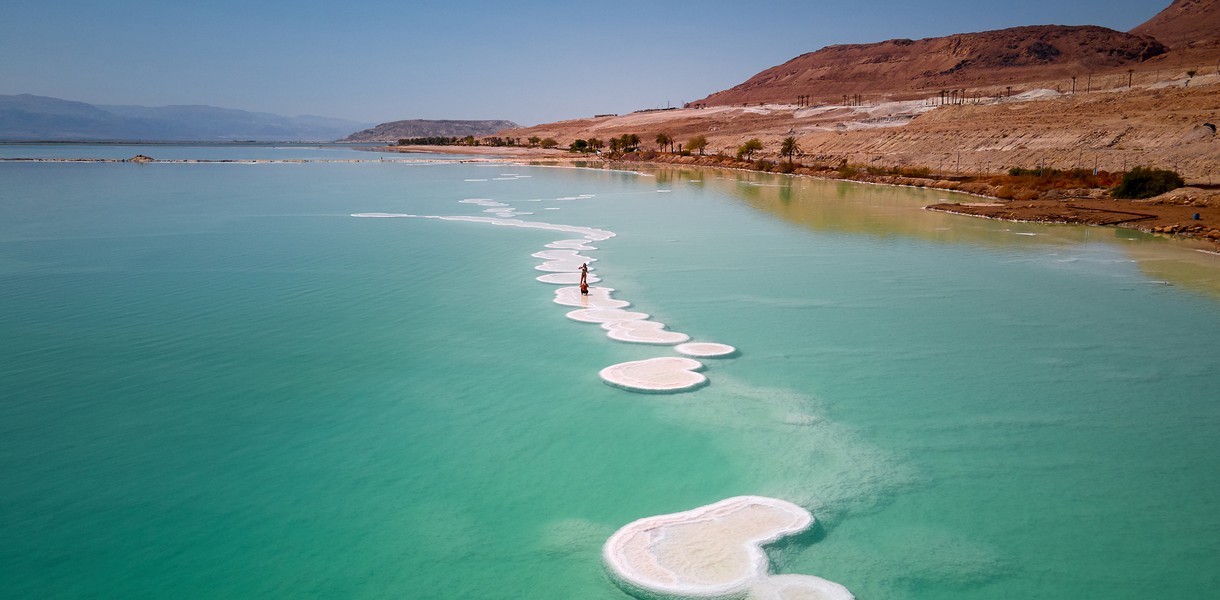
(714, 551)
(605, 315)
(563, 255)
(570, 244)
(663, 374)
(798, 587)
(591, 233)
(598, 297)
(596, 235)
(570, 278)
(482, 202)
(705, 349)
(643, 332)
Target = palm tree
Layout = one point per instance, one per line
(663, 140)
(789, 148)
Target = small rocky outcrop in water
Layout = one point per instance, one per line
(140, 158)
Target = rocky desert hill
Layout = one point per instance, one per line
(1138, 100)
(419, 128)
(907, 67)
(1185, 23)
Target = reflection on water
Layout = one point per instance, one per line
(892, 211)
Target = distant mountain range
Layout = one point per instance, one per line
(418, 128)
(25, 117)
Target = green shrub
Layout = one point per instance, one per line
(922, 172)
(1146, 182)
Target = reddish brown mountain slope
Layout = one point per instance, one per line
(898, 67)
(1185, 23)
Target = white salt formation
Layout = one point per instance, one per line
(605, 315)
(705, 349)
(714, 551)
(663, 374)
(483, 202)
(591, 233)
(798, 587)
(570, 244)
(571, 278)
(561, 261)
(598, 297)
(643, 332)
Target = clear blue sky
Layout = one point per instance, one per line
(526, 61)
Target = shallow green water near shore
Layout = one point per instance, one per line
(216, 383)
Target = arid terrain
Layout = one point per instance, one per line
(1060, 97)
(965, 109)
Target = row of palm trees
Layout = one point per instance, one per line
(788, 148)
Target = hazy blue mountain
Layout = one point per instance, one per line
(28, 117)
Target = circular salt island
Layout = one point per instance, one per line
(655, 375)
(567, 278)
(605, 315)
(714, 551)
(705, 349)
(643, 332)
(598, 297)
(561, 261)
(787, 587)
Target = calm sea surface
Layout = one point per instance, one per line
(216, 383)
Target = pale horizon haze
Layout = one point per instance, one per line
(528, 62)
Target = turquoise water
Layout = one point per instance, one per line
(216, 383)
(206, 152)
